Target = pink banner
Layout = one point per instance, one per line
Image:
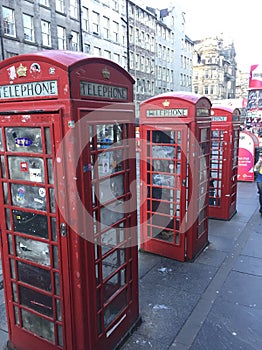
(255, 78)
(246, 154)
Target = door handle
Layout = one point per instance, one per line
(63, 230)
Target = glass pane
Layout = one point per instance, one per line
(12, 268)
(34, 276)
(110, 162)
(36, 301)
(5, 193)
(162, 152)
(113, 262)
(60, 335)
(19, 139)
(52, 200)
(55, 256)
(57, 284)
(163, 180)
(35, 251)
(105, 136)
(10, 245)
(113, 285)
(163, 137)
(1, 141)
(28, 196)
(7, 217)
(16, 312)
(111, 214)
(111, 238)
(105, 163)
(58, 310)
(26, 168)
(14, 292)
(99, 324)
(203, 136)
(164, 166)
(53, 225)
(38, 325)
(94, 191)
(50, 171)
(30, 223)
(108, 134)
(115, 307)
(3, 167)
(48, 141)
(111, 188)
(91, 137)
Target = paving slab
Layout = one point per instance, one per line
(249, 264)
(230, 326)
(254, 245)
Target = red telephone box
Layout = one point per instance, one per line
(175, 151)
(225, 127)
(68, 223)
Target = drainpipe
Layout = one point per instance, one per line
(2, 41)
(80, 26)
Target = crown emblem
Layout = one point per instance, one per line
(21, 71)
(106, 73)
(166, 103)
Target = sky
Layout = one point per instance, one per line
(239, 21)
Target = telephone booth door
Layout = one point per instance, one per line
(112, 227)
(165, 191)
(30, 231)
(225, 128)
(175, 146)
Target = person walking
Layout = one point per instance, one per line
(258, 170)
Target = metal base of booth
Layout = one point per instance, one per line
(223, 219)
(137, 323)
(175, 258)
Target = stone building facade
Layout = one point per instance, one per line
(214, 68)
(150, 43)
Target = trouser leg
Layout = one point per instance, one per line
(259, 187)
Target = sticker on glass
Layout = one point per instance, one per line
(35, 175)
(24, 166)
(42, 192)
(20, 196)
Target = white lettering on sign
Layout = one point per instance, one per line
(202, 112)
(32, 89)
(174, 112)
(102, 90)
(219, 119)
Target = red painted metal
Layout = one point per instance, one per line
(175, 148)
(225, 127)
(69, 256)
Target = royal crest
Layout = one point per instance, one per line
(106, 73)
(21, 71)
(166, 103)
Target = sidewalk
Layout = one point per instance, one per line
(213, 303)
